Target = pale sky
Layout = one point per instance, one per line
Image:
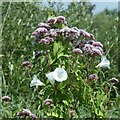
(100, 4)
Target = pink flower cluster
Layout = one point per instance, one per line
(26, 112)
(47, 32)
(93, 49)
(90, 47)
(59, 19)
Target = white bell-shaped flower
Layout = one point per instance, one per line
(36, 82)
(104, 62)
(60, 74)
(50, 77)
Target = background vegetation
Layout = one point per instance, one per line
(88, 100)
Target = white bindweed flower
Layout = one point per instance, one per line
(104, 62)
(50, 77)
(36, 82)
(60, 74)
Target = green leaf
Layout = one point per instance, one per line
(65, 102)
(60, 55)
(50, 59)
(55, 48)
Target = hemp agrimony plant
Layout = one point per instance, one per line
(69, 77)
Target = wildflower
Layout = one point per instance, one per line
(27, 64)
(44, 25)
(88, 48)
(99, 48)
(50, 77)
(46, 40)
(24, 112)
(60, 74)
(40, 31)
(77, 50)
(92, 50)
(97, 52)
(53, 32)
(113, 80)
(61, 19)
(48, 102)
(97, 44)
(80, 44)
(36, 82)
(93, 77)
(51, 21)
(104, 62)
(6, 98)
(84, 33)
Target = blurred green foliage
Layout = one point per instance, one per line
(88, 100)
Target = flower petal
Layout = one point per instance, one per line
(60, 74)
(36, 82)
(50, 77)
(104, 62)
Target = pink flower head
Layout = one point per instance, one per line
(6, 98)
(61, 19)
(92, 36)
(97, 44)
(27, 64)
(44, 25)
(113, 80)
(84, 33)
(24, 112)
(93, 77)
(88, 49)
(77, 50)
(99, 48)
(46, 40)
(48, 102)
(41, 30)
(73, 31)
(51, 21)
(97, 52)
